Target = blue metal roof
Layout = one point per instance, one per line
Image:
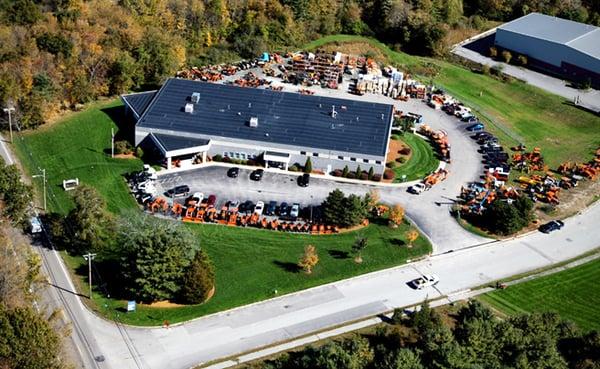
(139, 101)
(283, 118)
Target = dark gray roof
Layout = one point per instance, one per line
(549, 28)
(139, 101)
(283, 118)
(280, 154)
(171, 143)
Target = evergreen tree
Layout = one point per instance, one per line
(198, 280)
(308, 166)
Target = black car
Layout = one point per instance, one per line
(233, 172)
(246, 207)
(257, 175)
(178, 191)
(304, 180)
(551, 226)
(270, 210)
(482, 135)
(283, 209)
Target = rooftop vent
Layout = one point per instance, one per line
(254, 122)
(189, 108)
(333, 112)
(195, 97)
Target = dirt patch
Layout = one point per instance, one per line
(355, 48)
(125, 156)
(572, 201)
(394, 148)
(165, 305)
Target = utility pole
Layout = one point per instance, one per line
(112, 142)
(43, 175)
(10, 110)
(89, 257)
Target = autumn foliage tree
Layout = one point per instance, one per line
(411, 236)
(396, 215)
(309, 259)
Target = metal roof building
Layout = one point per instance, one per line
(248, 122)
(557, 45)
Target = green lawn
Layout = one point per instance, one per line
(421, 162)
(515, 111)
(75, 148)
(573, 293)
(251, 264)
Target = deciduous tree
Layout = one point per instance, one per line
(396, 215)
(309, 259)
(90, 224)
(360, 243)
(411, 236)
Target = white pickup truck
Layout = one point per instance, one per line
(427, 280)
(418, 188)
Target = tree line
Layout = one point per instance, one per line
(470, 338)
(58, 54)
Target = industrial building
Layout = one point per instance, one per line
(190, 122)
(553, 45)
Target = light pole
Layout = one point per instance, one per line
(112, 143)
(9, 110)
(89, 257)
(43, 175)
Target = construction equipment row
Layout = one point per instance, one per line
(200, 213)
(439, 140)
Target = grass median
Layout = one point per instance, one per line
(250, 264)
(422, 160)
(573, 293)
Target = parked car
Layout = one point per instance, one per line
(178, 191)
(246, 207)
(295, 211)
(471, 119)
(475, 127)
(233, 172)
(283, 209)
(212, 200)
(257, 175)
(427, 280)
(418, 188)
(260, 206)
(233, 205)
(270, 210)
(304, 180)
(482, 135)
(551, 226)
(198, 197)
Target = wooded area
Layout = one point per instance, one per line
(471, 337)
(58, 54)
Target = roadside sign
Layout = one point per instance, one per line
(130, 306)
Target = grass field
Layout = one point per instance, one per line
(250, 264)
(421, 162)
(573, 293)
(514, 111)
(79, 147)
